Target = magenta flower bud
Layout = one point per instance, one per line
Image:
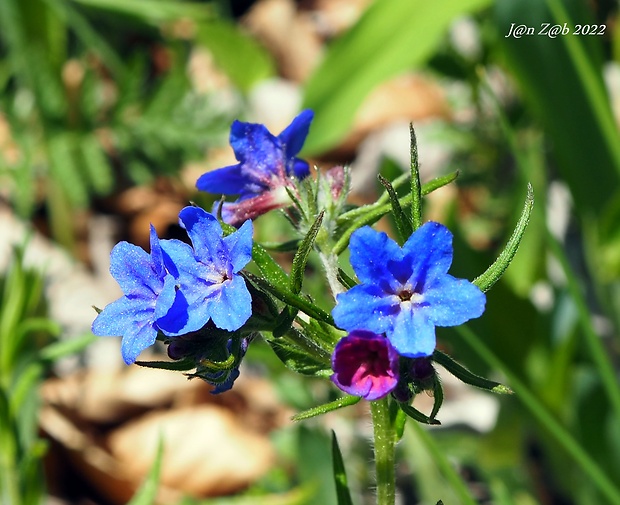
(365, 364)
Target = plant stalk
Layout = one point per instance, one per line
(385, 461)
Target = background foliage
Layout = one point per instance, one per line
(97, 98)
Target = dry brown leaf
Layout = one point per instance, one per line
(207, 452)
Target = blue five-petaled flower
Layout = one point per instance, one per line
(177, 289)
(406, 292)
(208, 273)
(268, 165)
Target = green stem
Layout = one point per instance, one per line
(542, 415)
(385, 462)
(330, 264)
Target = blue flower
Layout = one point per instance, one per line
(267, 165)
(406, 292)
(150, 297)
(365, 364)
(207, 274)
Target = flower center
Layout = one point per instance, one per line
(405, 295)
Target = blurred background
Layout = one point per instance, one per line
(111, 109)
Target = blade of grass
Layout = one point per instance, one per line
(533, 405)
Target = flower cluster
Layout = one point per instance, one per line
(195, 298)
(404, 294)
(177, 289)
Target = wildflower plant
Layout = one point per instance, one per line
(377, 344)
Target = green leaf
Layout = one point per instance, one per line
(243, 60)
(271, 271)
(437, 396)
(297, 359)
(486, 280)
(398, 418)
(416, 187)
(61, 150)
(53, 352)
(403, 223)
(340, 476)
(179, 366)
(90, 38)
(284, 321)
(345, 279)
(460, 372)
(283, 294)
(345, 401)
(369, 214)
(536, 62)
(415, 414)
(301, 256)
(392, 36)
(148, 490)
(96, 166)
(153, 11)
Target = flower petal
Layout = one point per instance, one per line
(132, 268)
(118, 316)
(205, 232)
(232, 306)
(371, 251)
(131, 318)
(239, 245)
(413, 333)
(365, 364)
(226, 180)
(258, 151)
(133, 343)
(171, 309)
(294, 135)
(453, 301)
(429, 250)
(365, 307)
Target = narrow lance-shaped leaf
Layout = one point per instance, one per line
(398, 419)
(179, 366)
(403, 224)
(283, 294)
(340, 476)
(148, 490)
(263, 260)
(499, 266)
(345, 279)
(460, 372)
(373, 213)
(284, 321)
(301, 256)
(345, 401)
(416, 187)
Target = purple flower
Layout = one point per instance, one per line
(207, 274)
(267, 165)
(150, 298)
(365, 364)
(406, 292)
